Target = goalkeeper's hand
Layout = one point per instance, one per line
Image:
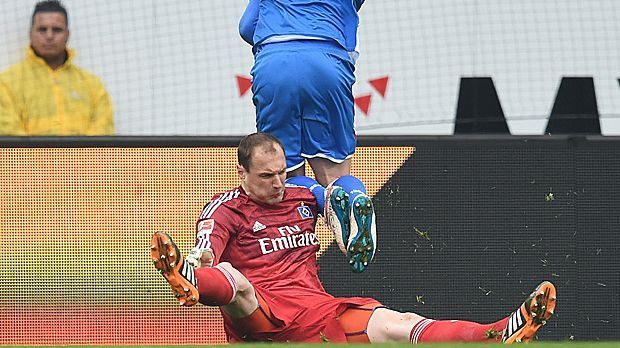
(198, 257)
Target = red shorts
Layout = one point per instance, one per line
(331, 320)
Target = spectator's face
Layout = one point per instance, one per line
(264, 181)
(49, 35)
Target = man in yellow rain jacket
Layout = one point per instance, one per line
(46, 94)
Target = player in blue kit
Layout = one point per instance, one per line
(303, 77)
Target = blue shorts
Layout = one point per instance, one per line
(303, 96)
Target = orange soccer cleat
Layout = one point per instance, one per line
(531, 315)
(173, 266)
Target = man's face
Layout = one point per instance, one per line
(49, 35)
(264, 181)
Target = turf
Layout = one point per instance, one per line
(555, 344)
(570, 344)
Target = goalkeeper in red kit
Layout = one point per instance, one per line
(255, 258)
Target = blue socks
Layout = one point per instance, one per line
(317, 190)
(352, 185)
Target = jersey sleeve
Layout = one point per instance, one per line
(213, 230)
(247, 23)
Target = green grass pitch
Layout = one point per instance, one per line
(537, 344)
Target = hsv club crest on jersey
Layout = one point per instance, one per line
(305, 212)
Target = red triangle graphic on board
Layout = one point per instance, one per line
(363, 102)
(244, 83)
(380, 84)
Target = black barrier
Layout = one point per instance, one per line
(469, 226)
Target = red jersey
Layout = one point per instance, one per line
(274, 247)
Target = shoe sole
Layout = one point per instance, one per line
(338, 211)
(535, 311)
(361, 246)
(168, 260)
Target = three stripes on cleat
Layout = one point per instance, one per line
(531, 315)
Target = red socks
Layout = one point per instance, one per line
(429, 330)
(216, 286)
